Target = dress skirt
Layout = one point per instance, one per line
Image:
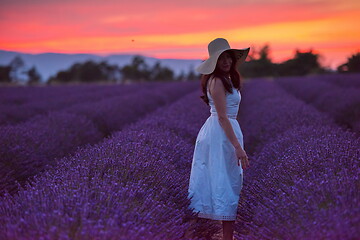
(215, 179)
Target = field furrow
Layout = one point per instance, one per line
(342, 104)
(303, 180)
(18, 105)
(303, 177)
(28, 148)
(131, 186)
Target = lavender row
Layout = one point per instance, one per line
(343, 104)
(259, 126)
(160, 153)
(346, 80)
(113, 113)
(20, 104)
(303, 179)
(309, 189)
(18, 95)
(131, 186)
(27, 148)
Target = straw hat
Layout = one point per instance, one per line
(216, 48)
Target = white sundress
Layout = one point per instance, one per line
(215, 179)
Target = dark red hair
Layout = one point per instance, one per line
(234, 74)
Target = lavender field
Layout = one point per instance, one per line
(102, 162)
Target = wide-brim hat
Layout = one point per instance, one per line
(216, 48)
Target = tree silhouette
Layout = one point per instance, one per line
(259, 65)
(5, 74)
(33, 76)
(18, 71)
(86, 72)
(137, 71)
(159, 73)
(302, 64)
(352, 64)
(191, 75)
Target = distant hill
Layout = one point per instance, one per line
(49, 64)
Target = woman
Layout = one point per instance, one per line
(219, 158)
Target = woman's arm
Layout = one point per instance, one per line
(217, 91)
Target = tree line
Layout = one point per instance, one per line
(17, 72)
(302, 63)
(258, 65)
(90, 72)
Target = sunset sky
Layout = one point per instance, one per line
(181, 29)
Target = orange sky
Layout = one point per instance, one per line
(181, 29)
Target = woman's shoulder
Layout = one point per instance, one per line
(213, 80)
(215, 84)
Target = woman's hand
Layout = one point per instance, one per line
(242, 156)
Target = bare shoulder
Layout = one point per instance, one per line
(216, 86)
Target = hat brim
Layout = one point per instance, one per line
(208, 66)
